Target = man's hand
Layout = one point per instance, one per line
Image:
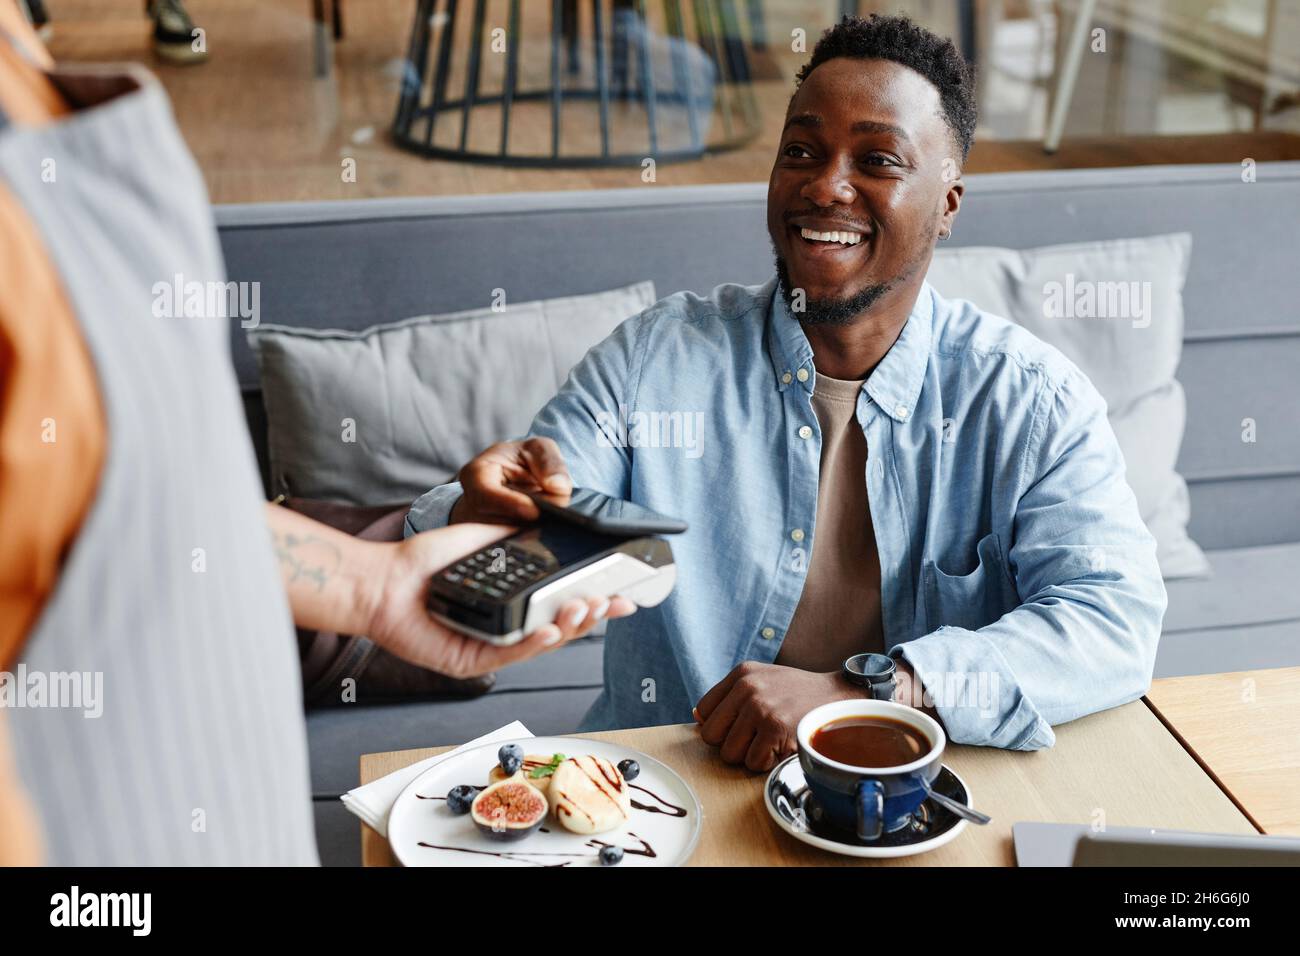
(401, 624)
(753, 711)
(534, 463)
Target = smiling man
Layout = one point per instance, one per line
(888, 473)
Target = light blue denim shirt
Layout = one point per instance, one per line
(1017, 577)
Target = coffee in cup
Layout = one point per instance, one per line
(866, 741)
(869, 763)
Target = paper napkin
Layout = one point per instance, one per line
(373, 802)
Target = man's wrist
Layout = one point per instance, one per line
(849, 689)
(906, 684)
(907, 687)
(452, 516)
(872, 672)
(909, 690)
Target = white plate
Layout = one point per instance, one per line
(423, 832)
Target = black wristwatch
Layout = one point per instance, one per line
(872, 671)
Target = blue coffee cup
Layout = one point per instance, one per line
(869, 801)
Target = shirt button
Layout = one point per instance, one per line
(805, 432)
(797, 534)
(901, 411)
(802, 375)
(768, 633)
(786, 378)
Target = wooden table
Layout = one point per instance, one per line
(1244, 729)
(1121, 767)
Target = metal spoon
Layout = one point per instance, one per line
(959, 808)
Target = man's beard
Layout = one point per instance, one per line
(827, 311)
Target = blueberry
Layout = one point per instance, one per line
(611, 855)
(511, 758)
(630, 769)
(460, 798)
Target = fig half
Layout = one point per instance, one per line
(509, 810)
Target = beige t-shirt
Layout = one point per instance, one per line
(839, 611)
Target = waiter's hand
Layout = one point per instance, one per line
(339, 583)
(534, 463)
(401, 623)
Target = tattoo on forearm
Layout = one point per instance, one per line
(307, 558)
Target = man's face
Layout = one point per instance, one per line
(865, 151)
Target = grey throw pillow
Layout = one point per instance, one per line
(387, 413)
(1114, 308)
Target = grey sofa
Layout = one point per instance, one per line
(352, 264)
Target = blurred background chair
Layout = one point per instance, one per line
(623, 81)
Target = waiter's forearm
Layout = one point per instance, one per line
(20, 843)
(332, 579)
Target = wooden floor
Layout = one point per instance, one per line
(265, 127)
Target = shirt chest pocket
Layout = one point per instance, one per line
(970, 598)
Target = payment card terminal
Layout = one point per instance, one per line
(590, 546)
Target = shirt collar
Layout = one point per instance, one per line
(896, 382)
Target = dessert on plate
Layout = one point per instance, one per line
(585, 794)
(589, 795)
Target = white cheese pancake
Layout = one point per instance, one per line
(589, 795)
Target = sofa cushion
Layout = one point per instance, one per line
(1238, 647)
(389, 412)
(579, 664)
(1244, 616)
(1246, 586)
(1128, 345)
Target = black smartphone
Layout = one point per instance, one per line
(605, 515)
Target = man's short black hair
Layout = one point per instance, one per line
(897, 38)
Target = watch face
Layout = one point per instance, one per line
(871, 666)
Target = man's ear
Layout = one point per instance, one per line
(951, 203)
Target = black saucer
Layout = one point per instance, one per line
(788, 793)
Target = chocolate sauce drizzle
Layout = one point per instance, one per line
(526, 856)
(521, 855)
(673, 810)
(646, 849)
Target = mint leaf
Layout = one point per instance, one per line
(547, 769)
